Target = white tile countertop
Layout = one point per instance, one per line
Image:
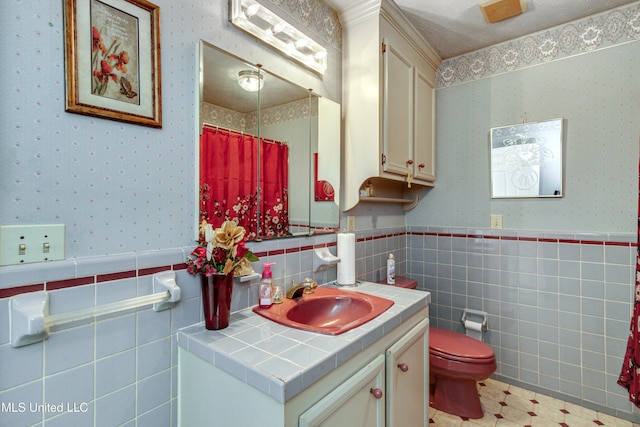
(281, 361)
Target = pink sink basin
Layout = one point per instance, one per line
(328, 310)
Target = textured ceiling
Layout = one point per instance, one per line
(455, 27)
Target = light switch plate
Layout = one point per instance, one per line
(21, 244)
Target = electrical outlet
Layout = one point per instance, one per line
(496, 222)
(351, 223)
(21, 244)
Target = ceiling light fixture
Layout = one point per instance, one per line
(250, 80)
(259, 21)
(499, 10)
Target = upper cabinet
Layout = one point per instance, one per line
(388, 106)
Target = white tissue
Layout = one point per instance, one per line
(474, 329)
(347, 254)
(473, 326)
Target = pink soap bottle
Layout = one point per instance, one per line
(265, 292)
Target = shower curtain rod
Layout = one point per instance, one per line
(239, 132)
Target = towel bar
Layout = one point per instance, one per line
(30, 319)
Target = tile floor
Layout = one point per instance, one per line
(511, 406)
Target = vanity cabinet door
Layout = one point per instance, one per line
(408, 379)
(358, 402)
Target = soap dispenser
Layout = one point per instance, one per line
(265, 295)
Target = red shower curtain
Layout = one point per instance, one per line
(630, 374)
(228, 181)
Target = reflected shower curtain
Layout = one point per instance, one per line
(630, 374)
(274, 174)
(228, 182)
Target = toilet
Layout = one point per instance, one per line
(456, 364)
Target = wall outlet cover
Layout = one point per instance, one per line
(496, 222)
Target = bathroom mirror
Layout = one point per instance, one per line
(279, 113)
(526, 160)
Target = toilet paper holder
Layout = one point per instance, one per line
(476, 316)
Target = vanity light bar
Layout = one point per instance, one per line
(262, 23)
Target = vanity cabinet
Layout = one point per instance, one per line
(389, 107)
(407, 374)
(385, 384)
(390, 391)
(362, 394)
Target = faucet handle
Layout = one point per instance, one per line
(309, 285)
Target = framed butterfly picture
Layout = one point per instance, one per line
(112, 60)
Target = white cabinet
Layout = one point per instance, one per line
(424, 141)
(388, 106)
(373, 388)
(408, 115)
(397, 111)
(390, 391)
(362, 394)
(407, 367)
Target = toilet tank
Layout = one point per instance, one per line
(403, 282)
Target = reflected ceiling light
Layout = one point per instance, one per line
(257, 20)
(250, 80)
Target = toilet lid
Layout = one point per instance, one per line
(456, 346)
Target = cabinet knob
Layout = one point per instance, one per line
(421, 165)
(403, 367)
(409, 162)
(377, 393)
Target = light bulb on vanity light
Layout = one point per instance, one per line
(278, 28)
(320, 56)
(251, 10)
(300, 43)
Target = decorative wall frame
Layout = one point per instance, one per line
(112, 60)
(526, 159)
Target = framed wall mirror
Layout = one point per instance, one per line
(526, 160)
(263, 157)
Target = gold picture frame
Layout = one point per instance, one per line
(112, 60)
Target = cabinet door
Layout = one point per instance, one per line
(397, 110)
(408, 379)
(424, 142)
(355, 403)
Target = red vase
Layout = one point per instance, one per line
(216, 299)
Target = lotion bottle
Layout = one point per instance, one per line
(265, 292)
(391, 270)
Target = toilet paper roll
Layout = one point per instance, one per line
(473, 326)
(473, 329)
(347, 254)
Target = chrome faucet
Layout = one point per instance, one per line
(307, 286)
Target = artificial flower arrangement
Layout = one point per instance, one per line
(221, 251)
